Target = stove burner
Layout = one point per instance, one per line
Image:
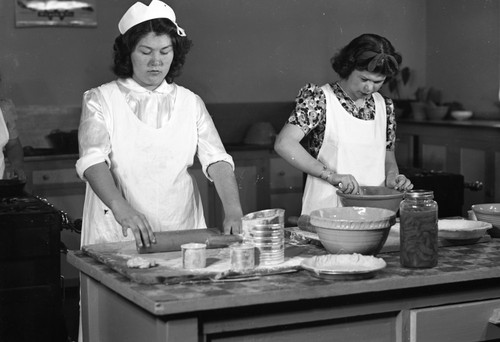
(24, 204)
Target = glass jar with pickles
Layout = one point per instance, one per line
(418, 229)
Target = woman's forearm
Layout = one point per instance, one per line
(15, 154)
(288, 147)
(227, 189)
(103, 184)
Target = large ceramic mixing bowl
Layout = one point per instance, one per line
(345, 230)
(374, 197)
(489, 212)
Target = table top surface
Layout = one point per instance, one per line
(456, 264)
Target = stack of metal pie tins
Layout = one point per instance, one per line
(269, 241)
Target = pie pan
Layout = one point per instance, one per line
(343, 266)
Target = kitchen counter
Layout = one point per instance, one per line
(393, 306)
(453, 123)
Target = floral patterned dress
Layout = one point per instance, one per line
(310, 114)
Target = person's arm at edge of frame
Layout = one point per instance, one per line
(227, 188)
(15, 154)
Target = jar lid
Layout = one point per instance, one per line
(422, 194)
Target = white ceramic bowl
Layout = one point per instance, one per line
(461, 114)
(489, 212)
(346, 230)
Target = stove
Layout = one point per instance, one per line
(30, 288)
(24, 204)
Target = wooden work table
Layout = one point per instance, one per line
(451, 302)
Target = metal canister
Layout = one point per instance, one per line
(418, 229)
(242, 256)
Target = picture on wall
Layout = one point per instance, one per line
(55, 13)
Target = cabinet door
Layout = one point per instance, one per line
(458, 322)
(287, 186)
(473, 165)
(253, 186)
(468, 158)
(404, 150)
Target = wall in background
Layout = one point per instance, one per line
(463, 46)
(244, 50)
(256, 51)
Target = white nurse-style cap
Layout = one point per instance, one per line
(139, 13)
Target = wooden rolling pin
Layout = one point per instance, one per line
(172, 240)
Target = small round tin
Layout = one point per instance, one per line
(194, 255)
(242, 256)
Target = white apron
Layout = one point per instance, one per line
(150, 167)
(4, 139)
(350, 146)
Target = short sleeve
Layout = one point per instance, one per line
(391, 125)
(310, 108)
(210, 148)
(93, 133)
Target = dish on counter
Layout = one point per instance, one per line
(489, 212)
(343, 266)
(461, 114)
(462, 230)
(347, 230)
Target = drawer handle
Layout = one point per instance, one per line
(281, 173)
(45, 177)
(495, 317)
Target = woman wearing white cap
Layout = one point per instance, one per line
(139, 135)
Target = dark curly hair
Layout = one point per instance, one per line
(126, 43)
(367, 52)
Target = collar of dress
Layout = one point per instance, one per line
(130, 83)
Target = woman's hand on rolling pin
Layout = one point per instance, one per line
(400, 182)
(129, 218)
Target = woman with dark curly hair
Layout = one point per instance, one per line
(139, 135)
(351, 127)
